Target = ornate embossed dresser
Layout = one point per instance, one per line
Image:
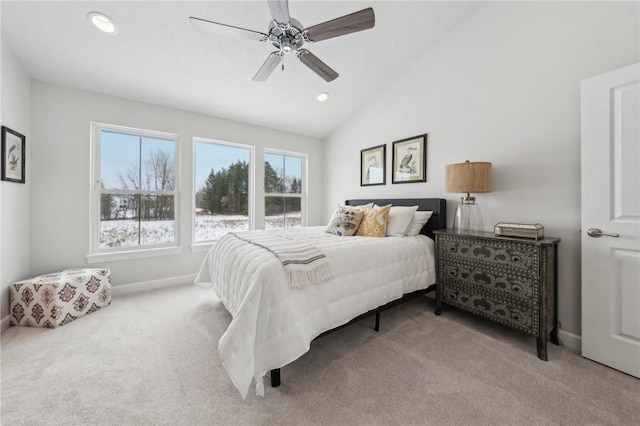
(509, 280)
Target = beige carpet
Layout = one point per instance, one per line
(151, 359)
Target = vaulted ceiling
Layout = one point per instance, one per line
(159, 57)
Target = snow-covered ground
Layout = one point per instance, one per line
(124, 233)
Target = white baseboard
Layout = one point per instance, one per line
(131, 288)
(4, 324)
(566, 338)
(119, 290)
(570, 340)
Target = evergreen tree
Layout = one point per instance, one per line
(227, 190)
(272, 181)
(213, 191)
(296, 186)
(237, 200)
(272, 184)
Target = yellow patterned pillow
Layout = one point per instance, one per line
(374, 222)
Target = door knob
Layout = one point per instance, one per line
(596, 233)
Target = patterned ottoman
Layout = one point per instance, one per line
(56, 299)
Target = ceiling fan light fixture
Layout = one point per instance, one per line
(323, 97)
(286, 47)
(103, 23)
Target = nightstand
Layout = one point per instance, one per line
(511, 281)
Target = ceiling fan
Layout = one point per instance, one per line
(288, 35)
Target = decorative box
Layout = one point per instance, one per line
(522, 230)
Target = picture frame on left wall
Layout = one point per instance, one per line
(13, 156)
(373, 163)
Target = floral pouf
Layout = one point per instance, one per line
(56, 299)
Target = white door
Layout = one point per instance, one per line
(611, 219)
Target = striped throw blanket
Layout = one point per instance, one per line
(303, 264)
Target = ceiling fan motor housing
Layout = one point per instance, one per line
(288, 37)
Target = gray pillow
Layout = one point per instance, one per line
(345, 221)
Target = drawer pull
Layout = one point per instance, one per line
(482, 278)
(481, 251)
(516, 259)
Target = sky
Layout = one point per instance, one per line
(119, 152)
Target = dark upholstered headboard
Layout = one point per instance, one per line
(437, 205)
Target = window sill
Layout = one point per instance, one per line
(132, 254)
(201, 247)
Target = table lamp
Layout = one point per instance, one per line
(468, 178)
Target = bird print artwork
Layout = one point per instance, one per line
(408, 164)
(13, 157)
(372, 162)
(409, 160)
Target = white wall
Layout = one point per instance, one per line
(504, 87)
(14, 197)
(60, 203)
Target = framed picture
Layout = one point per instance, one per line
(373, 166)
(409, 160)
(12, 155)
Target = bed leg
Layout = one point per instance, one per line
(377, 327)
(275, 378)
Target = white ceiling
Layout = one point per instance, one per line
(160, 58)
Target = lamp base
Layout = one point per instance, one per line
(468, 216)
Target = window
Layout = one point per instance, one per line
(284, 184)
(223, 185)
(135, 188)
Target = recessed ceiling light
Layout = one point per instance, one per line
(323, 97)
(103, 23)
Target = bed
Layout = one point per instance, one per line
(274, 323)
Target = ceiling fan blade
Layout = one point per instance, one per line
(279, 10)
(269, 65)
(357, 21)
(316, 65)
(228, 30)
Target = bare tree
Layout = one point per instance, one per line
(159, 174)
(163, 171)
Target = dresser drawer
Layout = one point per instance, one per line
(513, 284)
(516, 256)
(510, 311)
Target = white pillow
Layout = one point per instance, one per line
(400, 220)
(419, 219)
(364, 206)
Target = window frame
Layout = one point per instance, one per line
(197, 245)
(98, 253)
(304, 187)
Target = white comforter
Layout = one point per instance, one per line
(274, 324)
